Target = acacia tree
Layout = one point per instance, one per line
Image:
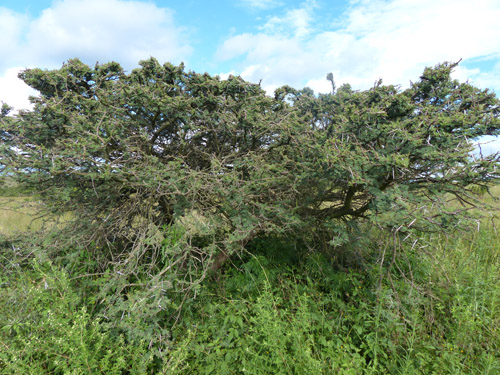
(167, 171)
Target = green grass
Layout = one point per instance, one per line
(21, 214)
(435, 311)
(18, 214)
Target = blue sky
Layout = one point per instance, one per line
(276, 41)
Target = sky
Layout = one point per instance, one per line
(275, 42)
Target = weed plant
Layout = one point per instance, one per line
(435, 310)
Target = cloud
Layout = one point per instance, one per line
(125, 31)
(13, 91)
(11, 26)
(261, 4)
(393, 40)
(489, 79)
(488, 145)
(92, 30)
(259, 47)
(296, 22)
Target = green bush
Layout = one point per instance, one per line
(45, 329)
(131, 154)
(432, 313)
(214, 229)
(433, 310)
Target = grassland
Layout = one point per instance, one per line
(435, 310)
(18, 214)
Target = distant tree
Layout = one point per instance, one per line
(132, 156)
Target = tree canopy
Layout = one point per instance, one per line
(134, 156)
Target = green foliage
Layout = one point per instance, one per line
(214, 229)
(131, 154)
(46, 329)
(8, 188)
(434, 310)
(435, 313)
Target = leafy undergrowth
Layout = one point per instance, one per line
(436, 310)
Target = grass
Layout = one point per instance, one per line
(18, 214)
(435, 311)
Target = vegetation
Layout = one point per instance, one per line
(434, 311)
(17, 215)
(209, 228)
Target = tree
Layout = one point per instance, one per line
(135, 156)
(387, 154)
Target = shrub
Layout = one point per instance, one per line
(47, 329)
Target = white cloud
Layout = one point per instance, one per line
(224, 76)
(105, 30)
(92, 30)
(393, 40)
(490, 79)
(259, 47)
(11, 26)
(13, 91)
(488, 145)
(261, 4)
(297, 22)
